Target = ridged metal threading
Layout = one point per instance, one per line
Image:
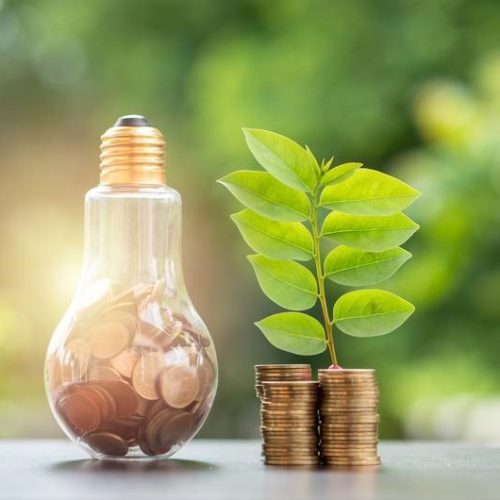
(132, 155)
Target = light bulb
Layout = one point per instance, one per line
(131, 369)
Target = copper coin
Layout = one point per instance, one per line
(108, 444)
(125, 361)
(177, 429)
(153, 431)
(143, 442)
(89, 391)
(155, 408)
(107, 339)
(145, 374)
(124, 397)
(125, 427)
(144, 405)
(179, 385)
(81, 412)
(110, 407)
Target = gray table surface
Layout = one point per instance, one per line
(207, 469)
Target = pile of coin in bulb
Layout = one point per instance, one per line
(276, 372)
(349, 418)
(289, 423)
(131, 377)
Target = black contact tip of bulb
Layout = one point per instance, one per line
(132, 121)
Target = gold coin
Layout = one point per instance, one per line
(350, 427)
(306, 412)
(293, 384)
(277, 426)
(348, 402)
(349, 462)
(291, 458)
(289, 418)
(346, 394)
(347, 373)
(179, 385)
(297, 462)
(348, 447)
(294, 415)
(271, 449)
(145, 374)
(335, 441)
(299, 366)
(348, 412)
(295, 405)
(349, 455)
(284, 442)
(295, 450)
(361, 418)
(107, 339)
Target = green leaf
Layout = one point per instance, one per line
(288, 284)
(369, 192)
(370, 313)
(353, 267)
(339, 173)
(325, 165)
(294, 332)
(263, 193)
(313, 160)
(277, 240)
(368, 232)
(285, 159)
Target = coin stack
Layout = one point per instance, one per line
(289, 421)
(132, 377)
(277, 372)
(348, 418)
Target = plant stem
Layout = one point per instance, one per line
(320, 277)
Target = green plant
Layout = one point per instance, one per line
(365, 219)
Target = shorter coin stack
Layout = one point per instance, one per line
(349, 418)
(277, 372)
(290, 423)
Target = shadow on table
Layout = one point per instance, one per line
(163, 466)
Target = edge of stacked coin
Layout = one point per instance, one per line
(349, 418)
(277, 372)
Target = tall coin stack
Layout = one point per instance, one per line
(349, 418)
(289, 420)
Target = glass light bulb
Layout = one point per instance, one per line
(131, 369)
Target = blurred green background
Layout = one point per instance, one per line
(408, 87)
